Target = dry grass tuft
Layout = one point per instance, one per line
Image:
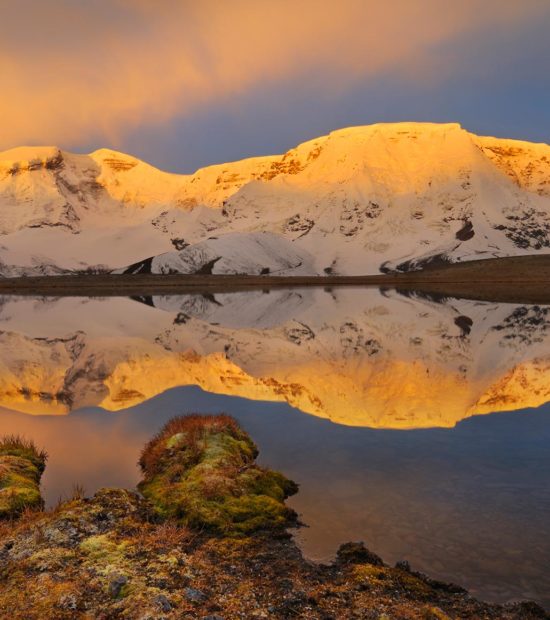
(17, 445)
(195, 427)
(159, 538)
(28, 517)
(78, 492)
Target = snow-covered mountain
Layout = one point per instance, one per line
(354, 356)
(361, 200)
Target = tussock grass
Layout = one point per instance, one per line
(17, 445)
(21, 467)
(193, 428)
(201, 471)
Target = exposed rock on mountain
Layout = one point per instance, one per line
(237, 253)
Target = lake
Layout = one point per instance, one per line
(416, 424)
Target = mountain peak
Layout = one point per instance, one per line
(388, 196)
(24, 157)
(399, 127)
(106, 154)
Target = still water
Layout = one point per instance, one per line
(418, 426)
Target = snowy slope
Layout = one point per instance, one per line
(237, 253)
(367, 199)
(354, 356)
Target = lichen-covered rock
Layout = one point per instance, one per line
(102, 557)
(21, 467)
(201, 470)
(114, 556)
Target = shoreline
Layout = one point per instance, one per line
(522, 279)
(205, 537)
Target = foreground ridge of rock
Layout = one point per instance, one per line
(116, 556)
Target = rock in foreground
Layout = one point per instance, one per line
(119, 555)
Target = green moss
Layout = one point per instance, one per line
(98, 547)
(201, 470)
(105, 553)
(125, 591)
(175, 440)
(392, 578)
(51, 558)
(21, 467)
(374, 575)
(413, 584)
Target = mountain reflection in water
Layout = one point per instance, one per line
(463, 500)
(354, 356)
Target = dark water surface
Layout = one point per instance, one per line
(462, 497)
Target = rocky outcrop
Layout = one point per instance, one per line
(119, 555)
(201, 471)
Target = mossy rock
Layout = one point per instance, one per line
(21, 468)
(357, 553)
(201, 470)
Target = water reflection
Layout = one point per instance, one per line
(356, 357)
(463, 500)
(468, 504)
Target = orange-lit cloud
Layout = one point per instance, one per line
(72, 70)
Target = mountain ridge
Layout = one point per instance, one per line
(386, 197)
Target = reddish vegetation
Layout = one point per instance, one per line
(195, 428)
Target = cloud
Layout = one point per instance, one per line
(72, 70)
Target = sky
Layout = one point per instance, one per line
(183, 84)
